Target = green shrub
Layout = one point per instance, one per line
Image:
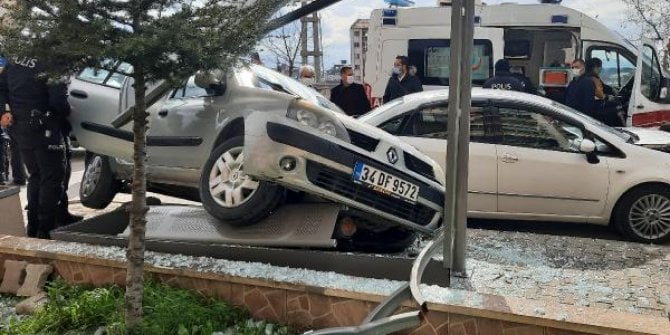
(79, 310)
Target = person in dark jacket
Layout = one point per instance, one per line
(402, 82)
(503, 79)
(37, 110)
(518, 73)
(348, 95)
(577, 68)
(583, 93)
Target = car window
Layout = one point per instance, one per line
(190, 90)
(430, 122)
(527, 128)
(114, 78)
(394, 125)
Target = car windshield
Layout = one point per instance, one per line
(262, 77)
(621, 133)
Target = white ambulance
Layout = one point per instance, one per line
(537, 38)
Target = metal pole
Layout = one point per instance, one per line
(451, 172)
(458, 135)
(460, 232)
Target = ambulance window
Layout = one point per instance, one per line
(617, 68)
(431, 58)
(650, 84)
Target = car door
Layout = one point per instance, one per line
(425, 128)
(649, 105)
(179, 125)
(540, 171)
(94, 96)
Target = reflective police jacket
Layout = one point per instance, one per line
(22, 88)
(504, 81)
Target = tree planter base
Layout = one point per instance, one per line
(11, 220)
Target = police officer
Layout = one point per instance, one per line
(503, 79)
(37, 110)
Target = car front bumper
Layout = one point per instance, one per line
(324, 167)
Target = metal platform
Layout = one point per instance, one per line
(189, 230)
(305, 225)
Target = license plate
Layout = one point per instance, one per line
(385, 183)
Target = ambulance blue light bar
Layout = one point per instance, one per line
(390, 13)
(559, 19)
(400, 3)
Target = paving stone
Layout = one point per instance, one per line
(11, 281)
(31, 305)
(36, 277)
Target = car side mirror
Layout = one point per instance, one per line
(587, 146)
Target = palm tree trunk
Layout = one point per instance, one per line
(138, 209)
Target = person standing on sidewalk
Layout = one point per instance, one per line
(348, 95)
(37, 110)
(402, 82)
(13, 155)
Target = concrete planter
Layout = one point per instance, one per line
(11, 219)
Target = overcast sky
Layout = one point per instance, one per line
(337, 19)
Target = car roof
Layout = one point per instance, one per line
(478, 93)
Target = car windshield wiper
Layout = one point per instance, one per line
(632, 137)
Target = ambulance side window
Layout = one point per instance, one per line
(618, 69)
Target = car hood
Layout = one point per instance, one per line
(649, 136)
(374, 132)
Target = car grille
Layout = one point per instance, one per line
(343, 184)
(419, 166)
(363, 141)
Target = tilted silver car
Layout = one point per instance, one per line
(209, 143)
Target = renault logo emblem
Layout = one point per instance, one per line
(392, 155)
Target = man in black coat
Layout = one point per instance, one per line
(348, 95)
(583, 91)
(503, 79)
(37, 112)
(402, 82)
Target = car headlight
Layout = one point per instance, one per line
(317, 117)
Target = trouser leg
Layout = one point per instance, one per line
(3, 168)
(18, 171)
(50, 168)
(64, 216)
(33, 193)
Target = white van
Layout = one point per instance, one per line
(534, 37)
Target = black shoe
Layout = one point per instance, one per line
(43, 235)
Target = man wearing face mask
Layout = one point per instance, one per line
(587, 92)
(348, 95)
(577, 68)
(307, 76)
(402, 82)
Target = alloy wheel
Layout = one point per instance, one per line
(92, 176)
(649, 216)
(229, 186)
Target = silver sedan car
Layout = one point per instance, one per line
(239, 147)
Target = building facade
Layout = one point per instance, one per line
(359, 47)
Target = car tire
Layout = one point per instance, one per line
(98, 185)
(230, 200)
(643, 214)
